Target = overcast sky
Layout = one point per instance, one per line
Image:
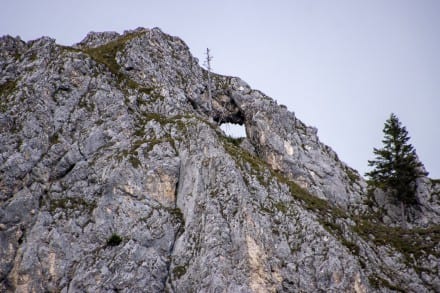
(341, 65)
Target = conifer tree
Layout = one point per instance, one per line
(208, 67)
(396, 166)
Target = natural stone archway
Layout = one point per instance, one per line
(285, 143)
(222, 108)
(225, 110)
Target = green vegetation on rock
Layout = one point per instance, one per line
(114, 240)
(5, 90)
(396, 166)
(179, 271)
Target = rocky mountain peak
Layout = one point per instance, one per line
(115, 176)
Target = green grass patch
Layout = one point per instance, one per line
(106, 55)
(69, 204)
(379, 283)
(179, 271)
(327, 213)
(5, 90)
(134, 161)
(354, 249)
(163, 120)
(434, 181)
(177, 214)
(259, 168)
(352, 175)
(311, 202)
(282, 207)
(114, 240)
(265, 174)
(413, 243)
(177, 219)
(265, 209)
(234, 140)
(8, 87)
(54, 139)
(86, 104)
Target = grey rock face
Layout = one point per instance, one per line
(115, 176)
(425, 214)
(288, 145)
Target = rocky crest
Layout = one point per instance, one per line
(115, 176)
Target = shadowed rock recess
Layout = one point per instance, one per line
(115, 176)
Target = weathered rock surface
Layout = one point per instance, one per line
(114, 136)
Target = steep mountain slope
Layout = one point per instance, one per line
(115, 176)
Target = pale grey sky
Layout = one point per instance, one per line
(340, 65)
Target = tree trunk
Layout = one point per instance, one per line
(402, 215)
(208, 65)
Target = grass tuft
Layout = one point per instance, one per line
(179, 271)
(114, 240)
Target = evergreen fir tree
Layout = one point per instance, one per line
(396, 166)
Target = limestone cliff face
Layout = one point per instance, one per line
(113, 136)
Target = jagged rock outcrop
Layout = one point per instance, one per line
(114, 137)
